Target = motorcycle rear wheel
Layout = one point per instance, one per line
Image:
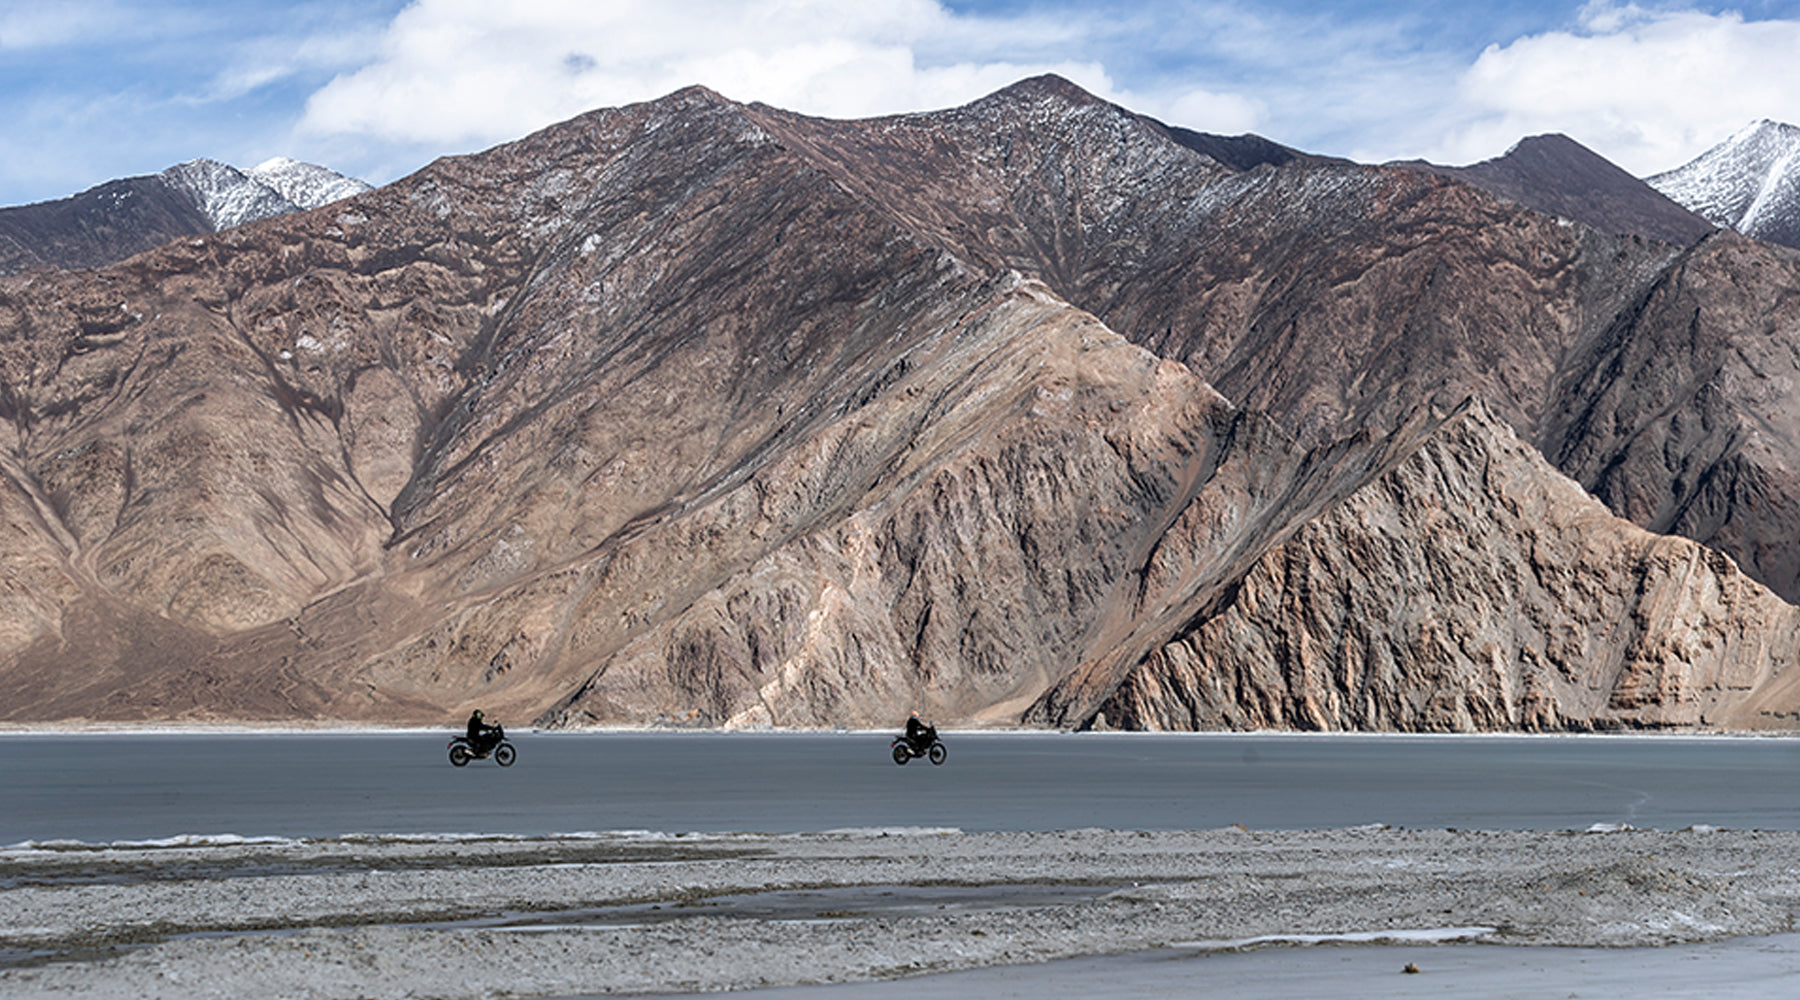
(459, 755)
(901, 756)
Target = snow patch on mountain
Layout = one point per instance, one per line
(305, 184)
(1750, 183)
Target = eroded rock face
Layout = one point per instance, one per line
(708, 414)
(1681, 415)
(1470, 588)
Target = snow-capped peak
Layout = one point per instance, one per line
(1750, 182)
(305, 184)
(224, 194)
(231, 197)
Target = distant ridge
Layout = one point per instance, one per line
(98, 226)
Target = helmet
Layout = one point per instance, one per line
(478, 713)
(915, 715)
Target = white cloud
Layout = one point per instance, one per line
(33, 26)
(1207, 111)
(256, 62)
(462, 72)
(1647, 89)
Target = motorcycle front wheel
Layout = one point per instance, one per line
(459, 755)
(938, 753)
(505, 754)
(900, 754)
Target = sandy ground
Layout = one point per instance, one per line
(399, 917)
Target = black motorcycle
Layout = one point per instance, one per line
(927, 745)
(461, 751)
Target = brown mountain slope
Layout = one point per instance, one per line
(1329, 294)
(571, 443)
(697, 412)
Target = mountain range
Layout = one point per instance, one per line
(114, 220)
(1031, 411)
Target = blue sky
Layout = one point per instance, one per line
(96, 89)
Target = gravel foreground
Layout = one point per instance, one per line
(641, 914)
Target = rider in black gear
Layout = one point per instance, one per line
(481, 738)
(918, 733)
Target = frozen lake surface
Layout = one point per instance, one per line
(145, 786)
(1743, 969)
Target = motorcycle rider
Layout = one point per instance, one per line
(480, 734)
(919, 734)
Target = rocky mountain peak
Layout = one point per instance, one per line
(1559, 176)
(1044, 87)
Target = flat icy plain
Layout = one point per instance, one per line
(642, 914)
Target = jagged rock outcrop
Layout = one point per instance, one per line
(706, 413)
(1472, 587)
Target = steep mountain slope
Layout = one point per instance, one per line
(120, 218)
(1556, 175)
(590, 444)
(712, 414)
(1749, 183)
(1681, 415)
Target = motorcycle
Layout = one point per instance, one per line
(461, 752)
(927, 745)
